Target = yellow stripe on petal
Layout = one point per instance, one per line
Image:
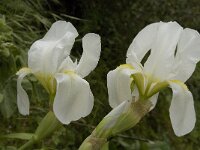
(124, 66)
(180, 83)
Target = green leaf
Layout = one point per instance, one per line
(8, 105)
(22, 136)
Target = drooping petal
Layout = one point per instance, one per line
(118, 83)
(188, 54)
(73, 98)
(91, 53)
(142, 43)
(23, 103)
(182, 112)
(160, 62)
(46, 54)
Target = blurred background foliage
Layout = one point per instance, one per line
(24, 21)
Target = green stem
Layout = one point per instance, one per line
(47, 126)
(114, 124)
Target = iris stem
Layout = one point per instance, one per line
(107, 129)
(47, 126)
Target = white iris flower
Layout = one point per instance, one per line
(49, 61)
(174, 52)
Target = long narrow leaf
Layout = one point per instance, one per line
(22, 136)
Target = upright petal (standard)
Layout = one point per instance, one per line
(46, 54)
(160, 62)
(91, 53)
(187, 55)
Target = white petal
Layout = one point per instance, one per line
(188, 54)
(67, 64)
(142, 43)
(182, 112)
(23, 103)
(46, 54)
(134, 61)
(154, 100)
(118, 83)
(59, 29)
(73, 98)
(160, 62)
(91, 53)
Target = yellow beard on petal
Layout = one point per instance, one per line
(180, 83)
(124, 66)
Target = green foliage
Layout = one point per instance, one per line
(23, 136)
(22, 22)
(9, 54)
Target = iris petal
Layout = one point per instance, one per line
(22, 97)
(46, 54)
(91, 54)
(182, 112)
(73, 98)
(187, 55)
(118, 83)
